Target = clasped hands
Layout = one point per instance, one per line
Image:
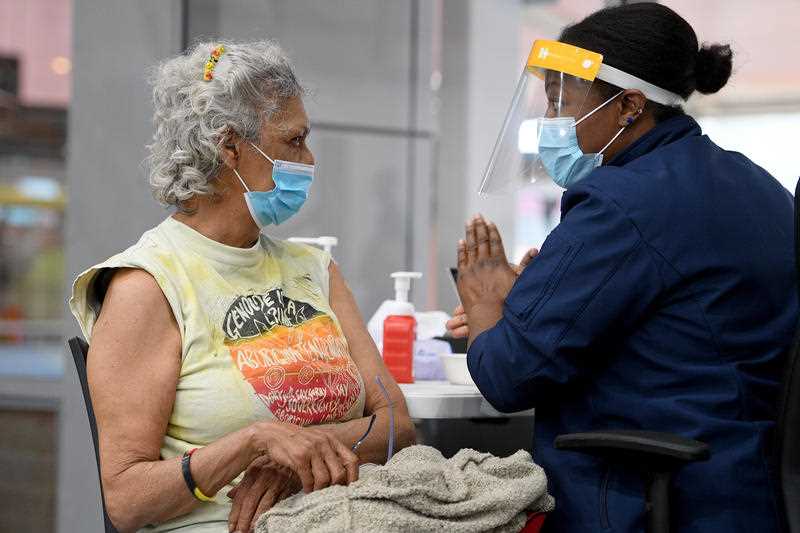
(485, 278)
(294, 458)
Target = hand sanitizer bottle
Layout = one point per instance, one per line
(397, 332)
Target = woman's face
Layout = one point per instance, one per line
(283, 137)
(565, 95)
(570, 97)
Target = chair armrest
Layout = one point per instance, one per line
(636, 446)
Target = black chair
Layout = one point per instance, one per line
(656, 455)
(80, 351)
(659, 455)
(787, 442)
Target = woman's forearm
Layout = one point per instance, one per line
(374, 448)
(151, 492)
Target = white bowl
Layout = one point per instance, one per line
(455, 368)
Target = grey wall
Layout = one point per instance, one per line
(482, 57)
(497, 57)
(110, 122)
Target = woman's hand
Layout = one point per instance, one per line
(529, 256)
(458, 326)
(315, 456)
(484, 279)
(265, 483)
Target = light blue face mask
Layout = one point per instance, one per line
(560, 152)
(292, 182)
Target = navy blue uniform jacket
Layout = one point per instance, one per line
(664, 300)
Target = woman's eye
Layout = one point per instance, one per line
(297, 141)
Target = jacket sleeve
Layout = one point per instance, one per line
(593, 279)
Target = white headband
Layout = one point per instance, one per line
(623, 80)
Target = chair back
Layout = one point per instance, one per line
(80, 352)
(788, 426)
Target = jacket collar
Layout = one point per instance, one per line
(666, 132)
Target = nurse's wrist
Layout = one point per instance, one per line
(483, 316)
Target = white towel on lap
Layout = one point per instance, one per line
(419, 490)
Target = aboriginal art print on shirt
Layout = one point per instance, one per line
(293, 355)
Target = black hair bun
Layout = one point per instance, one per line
(713, 67)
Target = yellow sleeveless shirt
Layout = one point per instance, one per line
(259, 338)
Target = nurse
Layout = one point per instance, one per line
(664, 300)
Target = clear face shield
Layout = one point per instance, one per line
(538, 138)
(551, 93)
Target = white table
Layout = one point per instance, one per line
(441, 399)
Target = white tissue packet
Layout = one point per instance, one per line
(427, 365)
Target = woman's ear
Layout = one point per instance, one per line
(631, 106)
(230, 151)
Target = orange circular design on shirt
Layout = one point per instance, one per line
(274, 377)
(306, 375)
(303, 374)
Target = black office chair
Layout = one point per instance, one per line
(788, 428)
(80, 351)
(659, 455)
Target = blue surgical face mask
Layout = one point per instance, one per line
(560, 152)
(292, 182)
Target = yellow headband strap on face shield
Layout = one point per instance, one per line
(566, 58)
(588, 65)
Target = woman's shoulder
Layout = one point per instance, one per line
(146, 256)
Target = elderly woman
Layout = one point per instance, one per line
(221, 357)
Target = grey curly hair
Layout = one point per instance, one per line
(193, 117)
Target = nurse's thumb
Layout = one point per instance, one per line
(529, 256)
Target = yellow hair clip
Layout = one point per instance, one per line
(208, 70)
